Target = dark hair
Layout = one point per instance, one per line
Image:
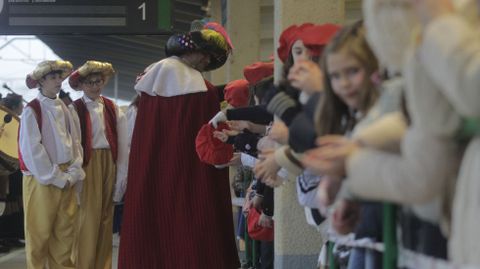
(12, 101)
(49, 73)
(260, 89)
(206, 41)
(333, 115)
(289, 63)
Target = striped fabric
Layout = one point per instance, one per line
(178, 212)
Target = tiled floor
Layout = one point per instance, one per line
(16, 259)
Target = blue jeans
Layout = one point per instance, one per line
(361, 258)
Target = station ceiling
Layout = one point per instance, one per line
(129, 54)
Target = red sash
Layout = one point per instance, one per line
(110, 118)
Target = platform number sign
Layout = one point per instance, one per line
(143, 7)
(85, 17)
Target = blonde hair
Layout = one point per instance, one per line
(333, 116)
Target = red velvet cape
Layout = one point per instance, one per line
(178, 211)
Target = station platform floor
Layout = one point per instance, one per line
(15, 259)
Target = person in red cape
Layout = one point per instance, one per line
(178, 211)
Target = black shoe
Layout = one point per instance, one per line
(12, 243)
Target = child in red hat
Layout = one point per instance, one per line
(304, 45)
(210, 141)
(105, 161)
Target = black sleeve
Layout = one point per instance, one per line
(246, 142)
(285, 107)
(267, 204)
(255, 114)
(221, 96)
(302, 132)
(260, 187)
(231, 139)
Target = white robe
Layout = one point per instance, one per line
(451, 54)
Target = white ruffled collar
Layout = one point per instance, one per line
(171, 77)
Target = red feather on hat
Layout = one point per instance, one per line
(73, 80)
(31, 83)
(219, 29)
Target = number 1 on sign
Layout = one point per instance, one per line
(143, 8)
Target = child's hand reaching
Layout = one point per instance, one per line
(306, 76)
(267, 167)
(279, 132)
(224, 134)
(238, 125)
(330, 157)
(220, 136)
(274, 182)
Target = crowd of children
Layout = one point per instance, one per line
(357, 131)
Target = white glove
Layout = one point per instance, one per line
(120, 186)
(119, 191)
(220, 117)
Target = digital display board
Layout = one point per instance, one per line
(85, 17)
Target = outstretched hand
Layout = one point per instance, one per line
(238, 125)
(267, 167)
(306, 76)
(279, 132)
(224, 134)
(331, 155)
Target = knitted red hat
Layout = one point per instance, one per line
(287, 38)
(236, 93)
(211, 150)
(256, 231)
(316, 37)
(258, 71)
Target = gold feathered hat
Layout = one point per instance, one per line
(46, 67)
(90, 67)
